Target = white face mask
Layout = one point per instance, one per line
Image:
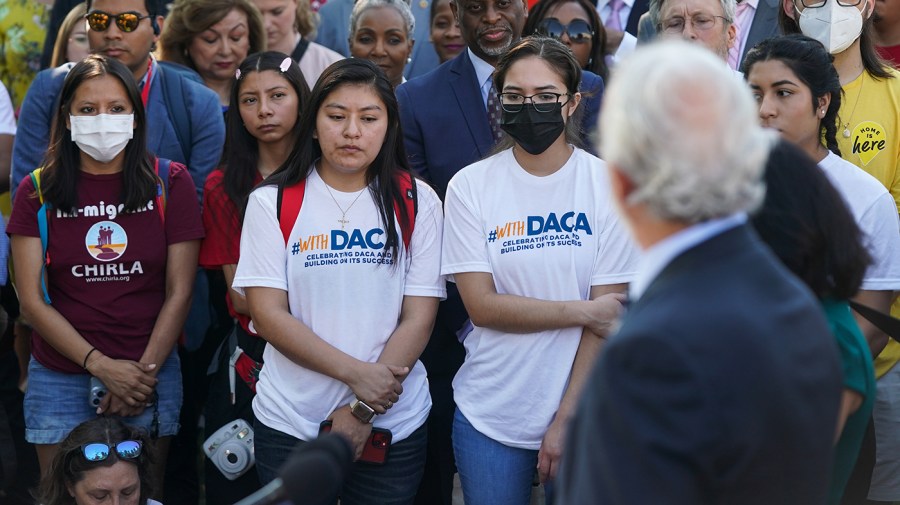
(834, 25)
(103, 136)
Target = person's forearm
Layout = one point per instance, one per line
(521, 314)
(181, 271)
(296, 341)
(408, 341)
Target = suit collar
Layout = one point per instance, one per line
(656, 259)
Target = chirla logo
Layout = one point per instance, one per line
(106, 241)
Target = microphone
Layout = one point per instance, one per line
(312, 475)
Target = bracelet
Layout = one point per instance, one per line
(88, 355)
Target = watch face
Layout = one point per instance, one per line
(362, 411)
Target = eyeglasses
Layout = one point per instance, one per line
(99, 451)
(126, 21)
(542, 102)
(700, 23)
(815, 4)
(579, 30)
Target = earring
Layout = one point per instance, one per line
(408, 60)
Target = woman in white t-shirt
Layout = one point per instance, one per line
(345, 289)
(541, 261)
(799, 94)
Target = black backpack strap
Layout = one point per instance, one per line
(300, 50)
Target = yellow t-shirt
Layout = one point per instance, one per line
(870, 110)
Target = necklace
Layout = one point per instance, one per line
(343, 220)
(850, 117)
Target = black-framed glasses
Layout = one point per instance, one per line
(699, 22)
(542, 102)
(815, 4)
(578, 30)
(126, 21)
(99, 451)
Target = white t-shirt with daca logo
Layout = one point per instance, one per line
(344, 286)
(550, 238)
(873, 208)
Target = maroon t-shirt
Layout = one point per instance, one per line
(107, 272)
(222, 244)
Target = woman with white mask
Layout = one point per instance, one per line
(868, 136)
(105, 239)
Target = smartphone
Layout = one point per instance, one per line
(376, 448)
(96, 393)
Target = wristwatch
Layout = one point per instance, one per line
(362, 411)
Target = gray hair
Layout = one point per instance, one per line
(728, 8)
(684, 128)
(401, 6)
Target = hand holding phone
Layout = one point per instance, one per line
(375, 448)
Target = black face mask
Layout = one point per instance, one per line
(534, 131)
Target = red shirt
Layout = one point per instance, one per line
(222, 245)
(107, 272)
(891, 54)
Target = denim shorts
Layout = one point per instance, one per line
(57, 402)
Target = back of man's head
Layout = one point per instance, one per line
(684, 129)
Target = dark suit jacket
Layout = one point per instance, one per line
(764, 25)
(445, 125)
(721, 387)
(637, 10)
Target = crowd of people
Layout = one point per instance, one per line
(498, 241)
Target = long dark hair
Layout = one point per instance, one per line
(805, 221)
(541, 10)
(562, 61)
(873, 63)
(69, 464)
(62, 163)
(391, 159)
(812, 64)
(241, 148)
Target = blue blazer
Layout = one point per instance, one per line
(722, 387)
(204, 112)
(445, 125)
(334, 30)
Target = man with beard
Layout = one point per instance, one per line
(450, 119)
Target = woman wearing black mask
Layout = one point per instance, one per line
(541, 261)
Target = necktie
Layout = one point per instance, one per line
(493, 111)
(734, 54)
(613, 21)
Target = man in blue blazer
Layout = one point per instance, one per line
(199, 146)
(723, 384)
(334, 29)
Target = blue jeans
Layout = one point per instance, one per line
(492, 473)
(393, 483)
(57, 402)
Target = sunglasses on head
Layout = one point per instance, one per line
(126, 21)
(99, 451)
(579, 30)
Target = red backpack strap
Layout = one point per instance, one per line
(407, 185)
(290, 199)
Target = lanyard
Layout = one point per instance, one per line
(145, 93)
